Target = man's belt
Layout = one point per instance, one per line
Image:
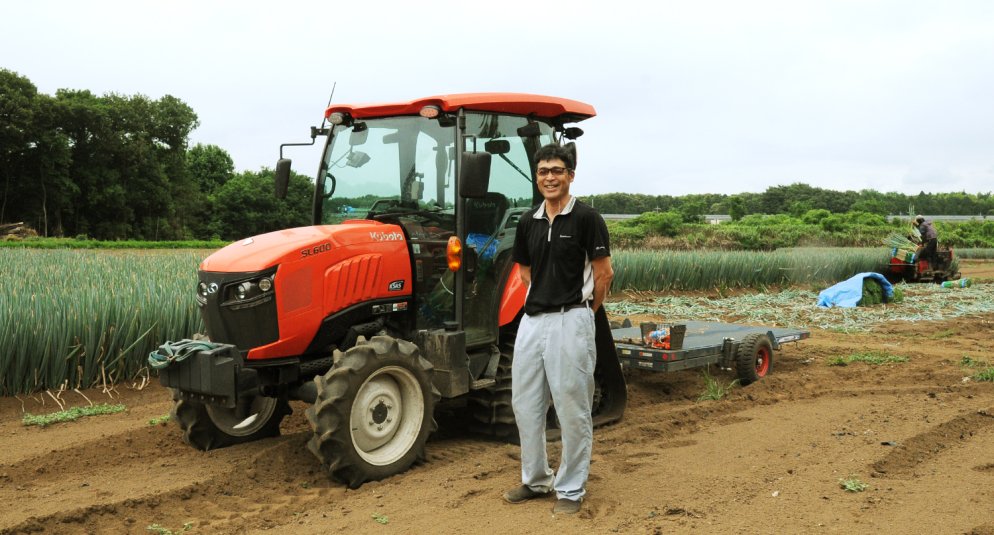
(564, 308)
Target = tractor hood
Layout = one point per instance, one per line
(297, 244)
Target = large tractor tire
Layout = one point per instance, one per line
(208, 427)
(374, 411)
(754, 358)
(491, 406)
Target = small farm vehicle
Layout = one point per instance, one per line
(400, 297)
(910, 267)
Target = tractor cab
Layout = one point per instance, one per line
(450, 171)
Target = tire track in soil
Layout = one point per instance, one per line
(905, 460)
(275, 479)
(284, 474)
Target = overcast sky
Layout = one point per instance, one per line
(692, 96)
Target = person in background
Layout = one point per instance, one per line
(562, 248)
(929, 240)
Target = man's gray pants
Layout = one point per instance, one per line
(554, 355)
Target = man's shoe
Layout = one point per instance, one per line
(522, 494)
(566, 507)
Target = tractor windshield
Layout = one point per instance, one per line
(406, 164)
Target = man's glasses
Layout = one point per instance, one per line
(556, 171)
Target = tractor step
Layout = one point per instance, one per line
(482, 383)
(316, 367)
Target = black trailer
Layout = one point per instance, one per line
(748, 349)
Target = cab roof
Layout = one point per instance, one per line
(562, 109)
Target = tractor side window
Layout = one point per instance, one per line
(510, 168)
(432, 181)
(489, 228)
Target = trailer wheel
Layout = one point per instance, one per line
(753, 358)
(374, 411)
(208, 427)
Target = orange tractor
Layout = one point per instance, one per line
(400, 297)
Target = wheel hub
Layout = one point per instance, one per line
(386, 415)
(380, 412)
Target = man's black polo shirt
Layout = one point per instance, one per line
(560, 256)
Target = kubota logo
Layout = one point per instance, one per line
(386, 236)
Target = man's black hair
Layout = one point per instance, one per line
(555, 151)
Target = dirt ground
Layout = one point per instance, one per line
(768, 458)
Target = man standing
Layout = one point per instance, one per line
(562, 248)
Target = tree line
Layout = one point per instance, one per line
(115, 167)
(797, 200)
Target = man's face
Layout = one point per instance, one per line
(554, 179)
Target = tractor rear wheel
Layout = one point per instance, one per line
(374, 411)
(207, 427)
(491, 406)
(753, 358)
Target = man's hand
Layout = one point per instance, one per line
(525, 272)
(603, 273)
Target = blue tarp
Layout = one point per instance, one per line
(477, 240)
(848, 292)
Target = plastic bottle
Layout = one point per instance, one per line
(962, 283)
(660, 338)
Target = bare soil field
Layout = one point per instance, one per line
(767, 458)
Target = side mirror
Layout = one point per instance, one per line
(359, 134)
(497, 146)
(573, 132)
(571, 147)
(474, 175)
(529, 130)
(282, 177)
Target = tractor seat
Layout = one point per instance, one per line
(483, 218)
(485, 214)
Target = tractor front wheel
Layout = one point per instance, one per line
(207, 427)
(374, 411)
(753, 358)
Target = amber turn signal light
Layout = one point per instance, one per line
(453, 253)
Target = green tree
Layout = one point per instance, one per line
(799, 208)
(736, 207)
(17, 96)
(209, 166)
(129, 165)
(246, 205)
(815, 217)
(34, 157)
(692, 211)
(660, 223)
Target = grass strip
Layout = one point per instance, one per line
(873, 357)
(70, 415)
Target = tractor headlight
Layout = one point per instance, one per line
(258, 288)
(245, 290)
